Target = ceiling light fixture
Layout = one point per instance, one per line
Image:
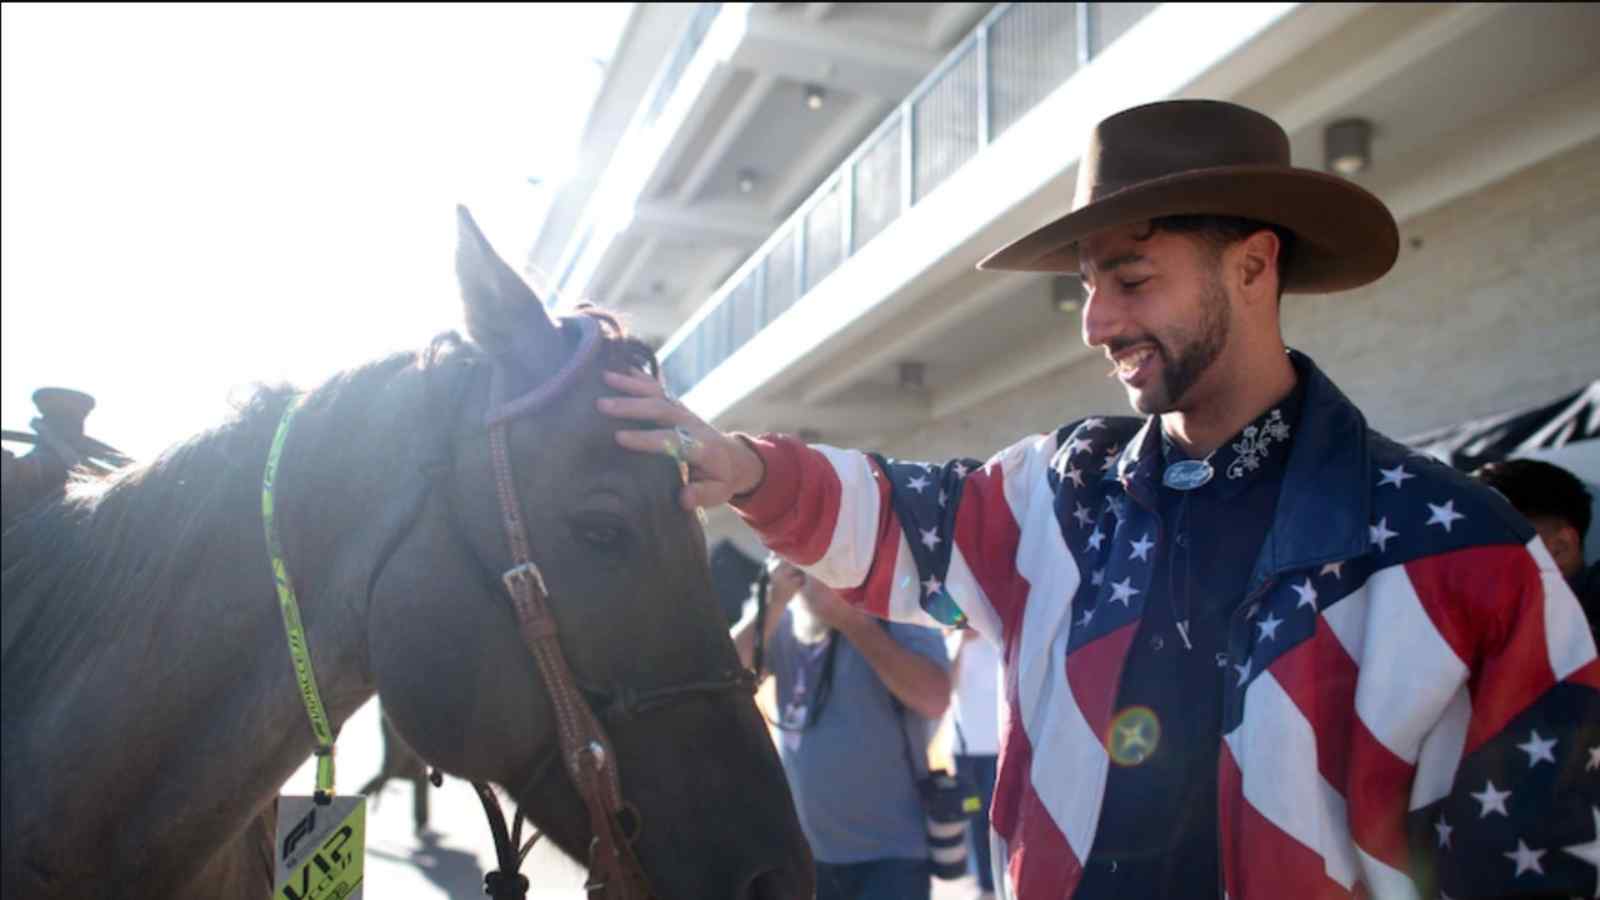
(814, 97)
(1348, 145)
(911, 375)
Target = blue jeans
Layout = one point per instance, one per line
(878, 879)
(982, 769)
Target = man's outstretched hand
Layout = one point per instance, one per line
(720, 466)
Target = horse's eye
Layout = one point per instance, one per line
(602, 536)
(603, 532)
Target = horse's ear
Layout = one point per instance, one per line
(503, 314)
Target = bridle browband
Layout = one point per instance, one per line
(586, 752)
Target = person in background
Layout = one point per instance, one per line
(975, 734)
(1559, 507)
(849, 690)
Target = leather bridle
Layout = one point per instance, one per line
(586, 750)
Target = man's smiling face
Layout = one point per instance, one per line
(1156, 303)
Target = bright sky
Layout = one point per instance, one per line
(200, 198)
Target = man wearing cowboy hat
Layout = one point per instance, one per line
(1252, 648)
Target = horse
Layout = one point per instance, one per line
(151, 712)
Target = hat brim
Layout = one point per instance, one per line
(1344, 236)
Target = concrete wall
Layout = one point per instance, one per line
(1493, 305)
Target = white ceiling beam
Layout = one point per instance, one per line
(1497, 145)
(952, 20)
(1352, 80)
(683, 138)
(824, 153)
(807, 51)
(618, 287)
(710, 275)
(649, 321)
(816, 12)
(718, 224)
(714, 155)
(962, 302)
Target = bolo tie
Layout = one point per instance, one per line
(1184, 476)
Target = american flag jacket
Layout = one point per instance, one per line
(1415, 702)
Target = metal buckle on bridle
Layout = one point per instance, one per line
(595, 750)
(527, 572)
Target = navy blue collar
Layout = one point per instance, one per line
(1323, 506)
(1258, 450)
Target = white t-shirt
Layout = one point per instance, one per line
(975, 705)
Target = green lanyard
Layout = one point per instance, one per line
(291, 618)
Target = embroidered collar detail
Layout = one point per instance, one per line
(1258, 446)
(1255, 441)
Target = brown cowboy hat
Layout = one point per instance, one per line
(1191, 157)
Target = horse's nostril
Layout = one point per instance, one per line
(773, 884)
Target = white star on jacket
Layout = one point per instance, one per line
(1538, 750)
(1082, 514)
(1093, 423)
(1123, 591)
(1244, 671)
(1141, 548)
(932, 585)
(917, 484)
(1308, 595)
(1395, 476)
(1444, 515)
(1590, 852)
(1075, 475)
(930, 537)
(1075, 445)
(1381, 534)
(1526, 858)
(1492, 800)
(1269, 627)
(1096, 538)
(1444, 829)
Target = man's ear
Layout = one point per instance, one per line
(1255, 260)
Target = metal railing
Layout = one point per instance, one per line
(1013, 59)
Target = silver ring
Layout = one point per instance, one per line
(686, 441)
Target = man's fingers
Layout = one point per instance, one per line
(637, 385)
(647, 409)
(658, 440)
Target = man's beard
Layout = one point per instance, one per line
(1196, 352)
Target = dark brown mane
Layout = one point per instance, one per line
(623, 350)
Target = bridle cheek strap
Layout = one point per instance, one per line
(586, 752)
